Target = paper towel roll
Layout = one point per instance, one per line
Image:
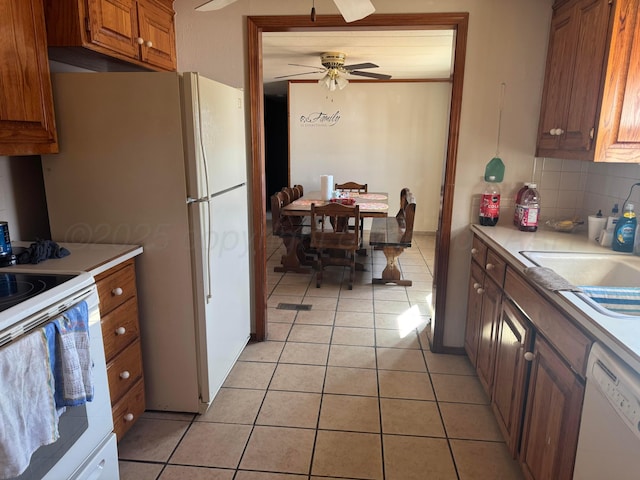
(326, 186)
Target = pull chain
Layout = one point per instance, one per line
(503, 86)
(313, 11)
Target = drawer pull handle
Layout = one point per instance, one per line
(529, 356)
(124, 375)
(128, 417)
(148, 44)
(474, 251)
(116, 292)
(139, 40)
(480, 291)
(121, 331)
(490, 266)
(476, 285)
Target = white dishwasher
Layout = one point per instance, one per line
(609, 441)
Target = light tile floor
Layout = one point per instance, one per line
(345, 390)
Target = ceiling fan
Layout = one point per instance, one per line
(335, 70)
(351, 10)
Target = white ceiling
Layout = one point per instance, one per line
(403, 54)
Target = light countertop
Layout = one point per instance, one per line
(621, 335)
(85, 257)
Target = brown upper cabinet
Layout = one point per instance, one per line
(27, 124)
(592, 79)
(138, 32)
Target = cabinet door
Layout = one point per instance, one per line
(491, 299)
(27, 123)
(158, 35)
(573, 78)
(513, 343)
(552, 418)
(113, 24)
(619, 127)
(474, 306)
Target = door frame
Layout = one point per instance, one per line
(256, 25)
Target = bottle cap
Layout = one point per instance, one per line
(533, 185)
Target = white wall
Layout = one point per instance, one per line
(507, 42)
(387, 135)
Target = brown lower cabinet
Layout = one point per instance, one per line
(513, 352)
(552, 416)
(121, 336)
(531, 361)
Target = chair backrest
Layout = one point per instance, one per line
(299, 189)
(288, 195)
(407, 213)
(352, 187)
(326, 232)
(277, 202)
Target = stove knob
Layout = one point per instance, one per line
(124, 375)
(121, 331)
(128, 417)
(116, 292)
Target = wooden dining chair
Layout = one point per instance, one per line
(295, 237)
(354, 187)
(332, 245)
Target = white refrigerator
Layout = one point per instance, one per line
(159, 160)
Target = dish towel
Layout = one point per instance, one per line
(70, 356)
(41, 250)
(549, 279)
(624, 300)
(28, 418)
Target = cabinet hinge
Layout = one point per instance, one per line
(592, 132)
(87, 24)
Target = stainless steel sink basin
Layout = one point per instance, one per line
(608, 270)
(602, 269)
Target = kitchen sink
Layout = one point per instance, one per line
(610, 281)
(601, 269)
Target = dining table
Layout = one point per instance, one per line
(375, 204)
(372, 205)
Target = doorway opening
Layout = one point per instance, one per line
(255, 27)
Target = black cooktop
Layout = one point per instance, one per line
(18, 287)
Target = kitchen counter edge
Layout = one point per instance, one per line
(94, 258)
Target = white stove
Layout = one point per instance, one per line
(86, 448)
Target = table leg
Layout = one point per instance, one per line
(391, 273)
(295, 260)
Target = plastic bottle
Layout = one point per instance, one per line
(516, 218)
(490, 203)
(529, 209)
(613, 218)
(625, 232)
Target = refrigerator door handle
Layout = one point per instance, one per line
(191, 200)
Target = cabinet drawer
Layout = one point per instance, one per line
(120, 327)
(124, 370)
(116, 288)
(570, 342)
(127, 411)
(495, 267)
(478, 251)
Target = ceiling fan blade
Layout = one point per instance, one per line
(297, 74)
(353, 10)
(308, 66)
(378, 76)
(360, 66)
(214, 5)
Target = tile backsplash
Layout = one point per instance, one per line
(577, 188)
